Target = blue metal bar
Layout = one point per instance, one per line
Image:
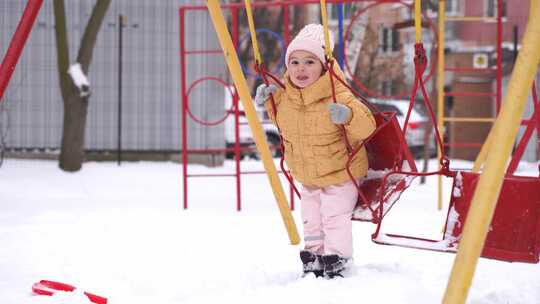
(340, 35)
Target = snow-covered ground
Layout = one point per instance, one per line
(120, 232)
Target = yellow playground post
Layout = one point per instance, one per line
(504, 134)
(258, 133)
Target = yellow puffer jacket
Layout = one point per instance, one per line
(315, 150)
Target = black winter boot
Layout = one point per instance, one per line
(311, 263)
(334, 265)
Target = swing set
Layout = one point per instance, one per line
(494, 214)
(506, 205)
(515, 230)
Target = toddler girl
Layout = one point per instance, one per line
(315, 150)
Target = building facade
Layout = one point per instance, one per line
(472, 44)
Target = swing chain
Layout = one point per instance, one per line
(261, 70)
(445, 165)
(420, 58)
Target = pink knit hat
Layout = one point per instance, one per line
(311, 39)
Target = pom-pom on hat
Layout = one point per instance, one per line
(311, 39)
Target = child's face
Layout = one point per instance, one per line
(304, 68)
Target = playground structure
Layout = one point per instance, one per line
(186, 51)
(482, 204)
(479, 205)
(344, 42)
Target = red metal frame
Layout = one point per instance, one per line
(17, 43)
(514, 234)
(498, 71)
(532, 123)
(515, 228)
(234, 21)
(499, 54)
(186, 90)
(233, 7)
(357, 82)
(227, 112)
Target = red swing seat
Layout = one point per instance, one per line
(514, 233)
(387, 151)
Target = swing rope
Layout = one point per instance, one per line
(420, 61)
(261, 70)
(353, 152)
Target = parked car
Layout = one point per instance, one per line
(416, 126)
(414, 135)
(245, 135)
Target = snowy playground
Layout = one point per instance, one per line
(120, 232)
(460, 226)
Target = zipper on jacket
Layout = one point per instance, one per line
(301, 135)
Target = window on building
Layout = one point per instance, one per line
(384, 87)
(388, 87)
(389, 40)
(453, 7)
(348, 10)
(491, 8)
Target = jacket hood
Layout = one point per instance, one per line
(317, 91)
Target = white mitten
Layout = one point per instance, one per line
(263, 92)
(340, 114)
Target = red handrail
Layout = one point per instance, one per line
(17, 43)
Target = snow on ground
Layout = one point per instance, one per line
(120, 232)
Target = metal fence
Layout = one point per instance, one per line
(31, 112)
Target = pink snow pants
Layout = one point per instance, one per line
(326, 214)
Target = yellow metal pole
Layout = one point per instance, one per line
(260, 139)
(472, 19)
(470, 119)
(324, 16)
(418, 20)
(504, 134)
(482, 155)
(254, 42)
(440, 92)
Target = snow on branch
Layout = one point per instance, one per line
(79, 79)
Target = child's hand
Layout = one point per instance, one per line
(263, 92)
(340, 114)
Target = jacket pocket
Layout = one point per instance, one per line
(288, 147)
(328, 167)
(330, 157)
(289, 154)
(327, 149)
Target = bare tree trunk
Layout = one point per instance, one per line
(365, 69)
(300, 17)
(75, 103)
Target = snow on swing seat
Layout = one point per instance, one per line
(387, 151)
(514, 233)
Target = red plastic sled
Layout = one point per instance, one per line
(48, 288)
